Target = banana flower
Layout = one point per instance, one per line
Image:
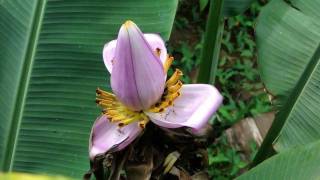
(138, 64)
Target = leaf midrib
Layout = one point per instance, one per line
(23, 85)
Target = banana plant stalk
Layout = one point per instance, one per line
(212, 43)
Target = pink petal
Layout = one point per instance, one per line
(106, 136)
(138, 76)
(154, 40)
(195, 106)
(108, 54)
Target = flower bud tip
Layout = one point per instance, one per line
(128, 23)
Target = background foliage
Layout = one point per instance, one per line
(237, 74)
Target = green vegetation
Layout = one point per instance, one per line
(237, 75)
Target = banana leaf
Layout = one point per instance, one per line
(50, 66)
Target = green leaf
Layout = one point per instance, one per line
(287, 38)
(50, 66)
(235, 7)
(297, 163)
(289, 53)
